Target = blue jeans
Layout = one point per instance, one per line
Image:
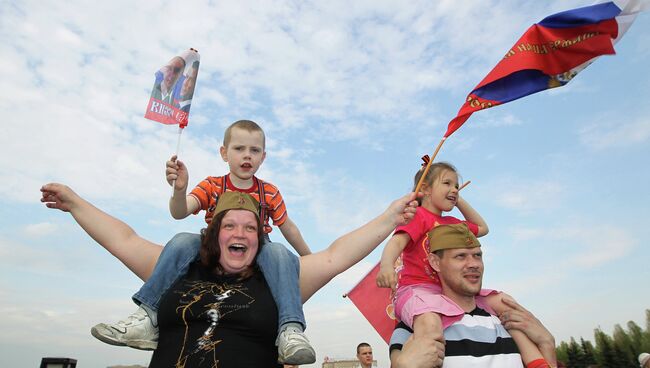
(280, 267)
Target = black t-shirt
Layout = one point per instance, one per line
(207, 320)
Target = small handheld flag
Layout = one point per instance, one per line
(173, 89)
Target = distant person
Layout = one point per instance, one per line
(364, 355)
(419, 302)
(476, 337)
(644, 360)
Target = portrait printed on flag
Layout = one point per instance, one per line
(173, 89)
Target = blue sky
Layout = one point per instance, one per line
(350, 94)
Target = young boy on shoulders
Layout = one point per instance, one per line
(244, 151)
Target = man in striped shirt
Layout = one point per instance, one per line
(476, 337)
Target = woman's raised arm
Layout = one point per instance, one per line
(318, 269)
(138, 254)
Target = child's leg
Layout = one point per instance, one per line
(530, 353)
(139, 330)
(427, 325)
(281, 270)
(173, 263)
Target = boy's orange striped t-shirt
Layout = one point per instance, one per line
(207, 192)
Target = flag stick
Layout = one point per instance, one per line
(178, 146)
(426, 169)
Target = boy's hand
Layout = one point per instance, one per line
(176, 173)
(387, 277)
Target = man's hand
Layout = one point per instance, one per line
(419, 353)
(519, 318)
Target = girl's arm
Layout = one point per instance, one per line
(471, 215)
(387, 276)
(318, 269)
(138, 254)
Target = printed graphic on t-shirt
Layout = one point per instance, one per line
(213, 302)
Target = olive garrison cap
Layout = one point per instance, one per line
(451, 237)
(237, 201)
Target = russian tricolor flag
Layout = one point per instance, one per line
(551, 53)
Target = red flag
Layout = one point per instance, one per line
(375, 304)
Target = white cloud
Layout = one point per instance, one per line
(598, 246)
(497, 120)
(40, 229)
(527, 195)
(526, 234)
(616, 132)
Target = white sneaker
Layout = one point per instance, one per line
(137, 331)
(294, 347)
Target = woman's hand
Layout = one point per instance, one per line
(59, 196)
(402, 210)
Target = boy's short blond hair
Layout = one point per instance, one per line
(247, 125)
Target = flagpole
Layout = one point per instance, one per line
(178, 146)
(426, 169)
(464, 185)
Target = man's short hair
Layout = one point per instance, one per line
(363, 345)
(247, 125)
